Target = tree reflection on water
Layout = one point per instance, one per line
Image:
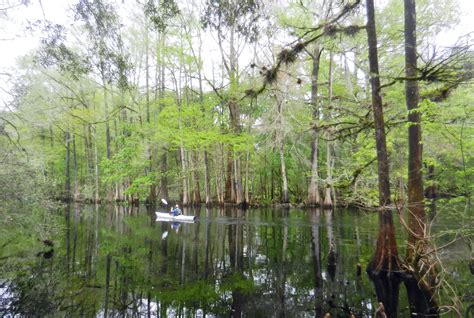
(116, 261)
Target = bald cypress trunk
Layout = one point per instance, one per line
(385, 261)
(416, 216)
(380, 140)
(421, 281)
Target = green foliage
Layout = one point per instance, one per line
(159, 13)
(242, 16)
(94, 90)
(27, 214)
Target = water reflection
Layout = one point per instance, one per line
(118, 261)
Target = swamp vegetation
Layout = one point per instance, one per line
(327, 148)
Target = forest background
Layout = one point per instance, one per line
(215, 103)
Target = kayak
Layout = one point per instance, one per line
(164, 216)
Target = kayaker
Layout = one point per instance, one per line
(176, 211)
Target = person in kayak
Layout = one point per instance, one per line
(176, 211)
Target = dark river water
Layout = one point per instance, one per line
(119, 261)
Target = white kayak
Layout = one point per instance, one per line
(164, 216)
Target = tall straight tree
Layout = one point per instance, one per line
(386, 258)
(420, 286)
(313, 189)
(417, 216)
(380, 139)
(314, 198)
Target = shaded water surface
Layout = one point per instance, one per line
(119, 261)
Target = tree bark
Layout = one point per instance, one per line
(207, 185)
(67, 183)
(385, 217)
(281, 150)
(74, 161)
(385, 260)
(416, 216)
(328, 197)
(247, 181)
(313, 198)
(107, 128)
(195, 177)
(380, 141)
(419, 288)
(96, 168)
(228, 196)
(239, 192)
(164, 171)
(184, 179)
(284, 178)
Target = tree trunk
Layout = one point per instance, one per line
(74, 160)
(164, 172)
(239, 192)
(328, 199)
(147, 75)
(88, 151)
(236, 178)
(380, 141)
(207, 186)
(313, 198)
(419, 288)
(284, 178)
(107, 128)
(416, 217)
(67, 183)
(164, 151)
(151, 199)
(281, 150)
(184, 179)
(51, 136)
(228, 197)
(96, 168)
(247, 181)
(234, 111)
(272, 177)
(195, 178)
(385, 261)
(219, 173)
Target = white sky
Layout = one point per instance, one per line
(15, 42)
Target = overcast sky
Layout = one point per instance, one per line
(15, 42)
